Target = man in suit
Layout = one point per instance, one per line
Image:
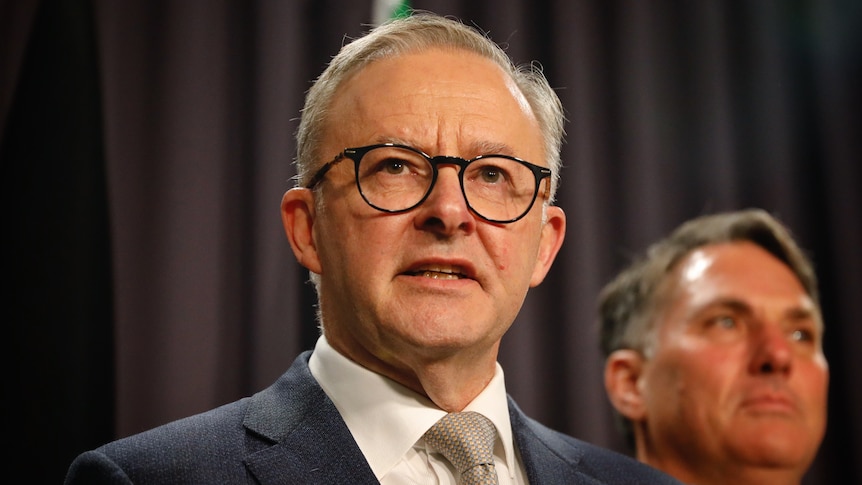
(427, 166)
(714, 344)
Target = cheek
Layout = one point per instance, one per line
(497, 245)
(513, 252)
(688, 375)
(501, 258)
(352, 241)
(813, 384)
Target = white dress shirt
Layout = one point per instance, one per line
(387, 421)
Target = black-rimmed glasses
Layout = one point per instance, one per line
(396, 178)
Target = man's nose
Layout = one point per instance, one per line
(773, 352)
(445, 209)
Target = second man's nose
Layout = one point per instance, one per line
(772, 351)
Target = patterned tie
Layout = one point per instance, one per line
(467, 441)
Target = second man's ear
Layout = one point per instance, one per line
(623, 369)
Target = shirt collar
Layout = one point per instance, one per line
(387, 419)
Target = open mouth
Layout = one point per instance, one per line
(439, 273)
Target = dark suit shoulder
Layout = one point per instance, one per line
(190, 450)
(552, 457)
(209, 447)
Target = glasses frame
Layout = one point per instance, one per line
(539, 173)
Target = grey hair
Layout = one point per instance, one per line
(421, 31)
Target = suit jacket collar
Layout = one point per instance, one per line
(297, 436)
(309, 441)
(546, 457)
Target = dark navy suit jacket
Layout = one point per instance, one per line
(291, 433)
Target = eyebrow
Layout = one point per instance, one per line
(797, 313)
(794, 313)
(728, 303)
(496, 148)
(476, 148)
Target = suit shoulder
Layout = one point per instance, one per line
(190, 449)
(617, 468)
(204, 448)
(555, 457)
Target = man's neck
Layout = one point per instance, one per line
(451, 380)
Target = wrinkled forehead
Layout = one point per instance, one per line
(431, 98)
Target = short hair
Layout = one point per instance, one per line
(421, 31)
(630, 303)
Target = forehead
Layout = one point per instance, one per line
(738, 270)
(437, 99)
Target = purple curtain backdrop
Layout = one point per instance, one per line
(675, 109)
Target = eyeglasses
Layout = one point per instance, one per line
(396, 178)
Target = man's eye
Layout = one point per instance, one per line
(392, 166)
(491, 175)
(802, 335)
(725, 321)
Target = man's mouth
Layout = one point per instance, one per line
(439, 272)
(776, 402)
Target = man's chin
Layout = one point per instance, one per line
(776, 446)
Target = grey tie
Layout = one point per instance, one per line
(467, 441)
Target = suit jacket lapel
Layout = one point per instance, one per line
(546, 458)
(309, 441)
(296, 436)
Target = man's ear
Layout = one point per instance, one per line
(623, 370)
(553, 233)
(297, 216)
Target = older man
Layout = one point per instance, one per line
(427, 165)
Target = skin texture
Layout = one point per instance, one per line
(424, 296)
(735, 387)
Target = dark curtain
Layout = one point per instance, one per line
(57, 297)
(146, 145)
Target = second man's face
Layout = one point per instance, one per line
(738, 374)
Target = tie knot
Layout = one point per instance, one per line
(467, 441)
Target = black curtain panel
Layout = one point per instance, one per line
(146, 146)
(56, 258)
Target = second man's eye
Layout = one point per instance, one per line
(726, 321)
(802, 335)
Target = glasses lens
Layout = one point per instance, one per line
(394, 178)
(498, 188)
